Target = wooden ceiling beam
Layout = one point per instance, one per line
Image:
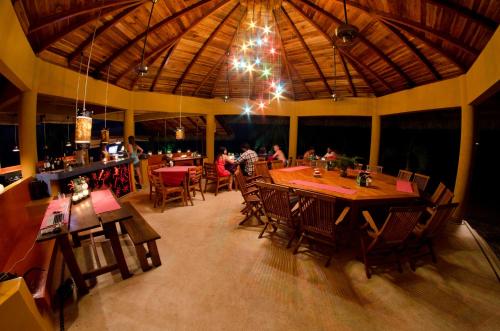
(209, 74)
(77, 11)
(307, 49)
(442, 35)
(165, 60)
(152, 29)
(465, 12)
(365, 67)
(365, 41)
(432, 45)
(348, 74)
(219, 68)
(102, 29)
(415, 51)
(362, 74)
(163, 47)
(327, 37)
(150, 60)
(284, 58)
(204, 45)
(46, 43)
(282, 46)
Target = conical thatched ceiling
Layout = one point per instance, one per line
(401, 44)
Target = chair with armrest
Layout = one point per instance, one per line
(421, 181)
(277, 164)
(386, 244)
(194, 182)
(152, 187)
(404, 175)
(374, 169)
(262, 170)
(424, 234)
(279, 209)
(252, 201)
(212, 176)
(165, 193)
(319, 219)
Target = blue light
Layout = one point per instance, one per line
(257, 61)
(247, 109)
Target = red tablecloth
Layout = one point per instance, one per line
(333, 188)
(104, 201)
(173, 176)
(404, 186)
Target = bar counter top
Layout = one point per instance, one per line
(76, 171)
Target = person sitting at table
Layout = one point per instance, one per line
(310, 153)
(220, 163)
(248, 158)
(278, 154)
(133, 151)
(330, 154)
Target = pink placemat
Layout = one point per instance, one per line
(404, 186)
(104, 201)
(333, 188)
(293, 168)
(61, 205)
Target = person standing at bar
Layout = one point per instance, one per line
(134, 150)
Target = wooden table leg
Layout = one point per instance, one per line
(112, 234)
(74, 269)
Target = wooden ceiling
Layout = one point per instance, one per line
(401, 44)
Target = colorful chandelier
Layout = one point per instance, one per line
(256, 56)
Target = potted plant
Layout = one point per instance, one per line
(344, 162)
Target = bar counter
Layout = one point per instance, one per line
(114, 175)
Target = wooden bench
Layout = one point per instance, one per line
(140, 232)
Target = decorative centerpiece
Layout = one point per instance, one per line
(344, 162)
(364, 179)
(80, 189)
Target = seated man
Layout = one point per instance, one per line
(248, 158)
(278, 154)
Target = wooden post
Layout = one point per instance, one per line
(27, 133)
(293, 136)
(210, 137)
(375, 140)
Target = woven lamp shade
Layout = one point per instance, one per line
(180, 134)
(83, 130)
(105, 136)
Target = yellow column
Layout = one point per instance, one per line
(375, 140)
(128, 125)
(27, 133)
(293, 136)
(210, 137)
(466, 147)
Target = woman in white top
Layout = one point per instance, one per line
(330, 154)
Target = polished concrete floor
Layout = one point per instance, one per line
(216, 275)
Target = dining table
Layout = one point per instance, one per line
(384, 190)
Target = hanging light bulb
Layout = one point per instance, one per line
(16, 148)
(247, 109)
(105, 131)
(68, 142)
(267, 29)
(261, 104)
(335, 97)
(142, 69)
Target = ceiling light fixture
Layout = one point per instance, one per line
(334, 92)
(16, 148)
(345, 31)
(142, 69)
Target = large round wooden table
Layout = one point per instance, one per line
(384, 190)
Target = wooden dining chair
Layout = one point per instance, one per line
(434, 198)
(194, 182)
(289, 162)
(277, 164)
(319, 218)
(300, 162)
(404, 175)
(421, 181)
(212, 176)
(279, 209)
(446, 197)
(167, 193)
(152, 189)
(252, 201)
(423, 235)
(374, 169)
(386, 244)
(261, 169)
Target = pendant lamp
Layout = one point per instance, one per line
(83, 125)
(180, 134)
(68, 142)
(16, 148)
(105, 131)
(142, 69)
(335, 97)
